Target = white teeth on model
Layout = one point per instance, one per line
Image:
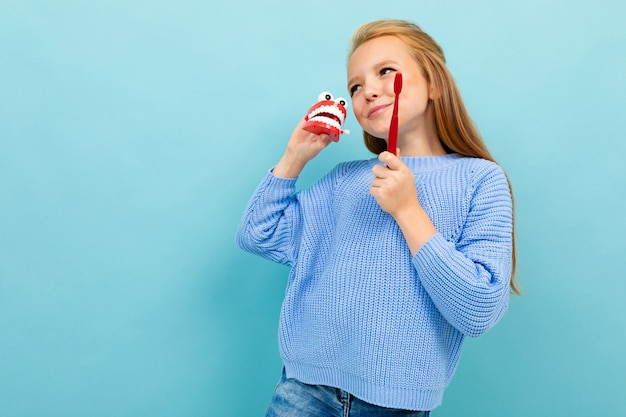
(328, 109)
(326, 120)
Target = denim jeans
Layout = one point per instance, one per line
(294, 398)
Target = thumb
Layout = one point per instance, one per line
(392, 161)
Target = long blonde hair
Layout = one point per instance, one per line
(455, 128)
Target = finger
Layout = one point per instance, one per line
(380, 171)
(313, 138)
(377, 182)
(392, 161)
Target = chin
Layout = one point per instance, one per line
(380, 135)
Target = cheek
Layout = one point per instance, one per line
(356, 110)
(416, 102)
(362, 120)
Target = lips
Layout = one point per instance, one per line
(375, 111)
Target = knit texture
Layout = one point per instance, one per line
(360, 313)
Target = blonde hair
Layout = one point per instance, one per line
(455, 128)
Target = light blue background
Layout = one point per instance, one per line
(132, 134)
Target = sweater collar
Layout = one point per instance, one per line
(429, 163)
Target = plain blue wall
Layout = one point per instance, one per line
(133, 132)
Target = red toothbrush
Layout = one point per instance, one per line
(393, 127)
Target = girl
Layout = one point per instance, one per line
(395, 260)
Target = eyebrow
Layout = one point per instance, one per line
(377, 65)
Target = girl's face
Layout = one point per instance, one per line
(371, 73)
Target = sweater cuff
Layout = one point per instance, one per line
(442, 277)
(435, 256)
(279, 184)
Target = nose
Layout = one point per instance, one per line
(371, 91)
(371, 95)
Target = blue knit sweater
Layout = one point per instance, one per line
(360, 313)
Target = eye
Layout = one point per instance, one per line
(324, 96)
(354, 89)
(342, 101)
(386, 70)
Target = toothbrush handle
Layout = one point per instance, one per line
(392, 143)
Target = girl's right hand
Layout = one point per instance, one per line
(301, 148)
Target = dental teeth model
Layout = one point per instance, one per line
(327, 116)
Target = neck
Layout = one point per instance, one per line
(422, 139)
(412, 147)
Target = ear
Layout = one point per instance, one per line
(433, 93)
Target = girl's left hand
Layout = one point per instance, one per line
(393, 185)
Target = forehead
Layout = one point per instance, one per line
(377, 50)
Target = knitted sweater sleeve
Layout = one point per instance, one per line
(273, 222)
(270, 221)
(468, 280)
